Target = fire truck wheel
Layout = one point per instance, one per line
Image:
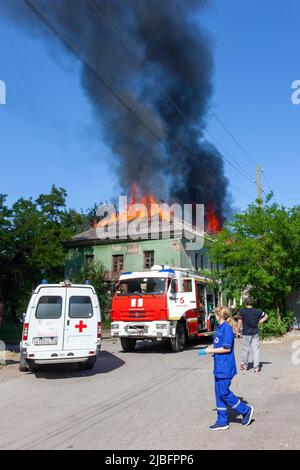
(128, 344)
(178, 342)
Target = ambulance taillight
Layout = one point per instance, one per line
(25, 331)
(99, 330)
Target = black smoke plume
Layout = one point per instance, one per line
(156, 62)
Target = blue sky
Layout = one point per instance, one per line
(49, 135)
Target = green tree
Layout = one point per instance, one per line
(94, 272)
(31, 244)
(259, 250)
(6, 245)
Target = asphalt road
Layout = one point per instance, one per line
(150, 399)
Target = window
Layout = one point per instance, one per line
(80, 307)
(210, 302)
(142, 285)
(187, 285)
(217, 297)
(174, 286)
(200, 295)
(89, 259)
(117, 263)
(196, 261)
(148, 259)
(49, 307)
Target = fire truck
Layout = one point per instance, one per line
(163, 304)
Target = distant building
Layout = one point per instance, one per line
(136, 255)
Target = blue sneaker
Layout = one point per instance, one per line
(219, 427)
(247, 418)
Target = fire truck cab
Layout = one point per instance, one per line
(163, 303)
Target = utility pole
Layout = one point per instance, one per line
(258, 181)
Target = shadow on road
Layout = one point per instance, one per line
(107, 362)
(251, 365)
(164, 347)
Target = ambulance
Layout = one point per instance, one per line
(163, 304)
(62, 325)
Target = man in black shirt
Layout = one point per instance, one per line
(249, 320)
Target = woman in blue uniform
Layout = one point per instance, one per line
(224, 371)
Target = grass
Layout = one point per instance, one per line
(11, 332)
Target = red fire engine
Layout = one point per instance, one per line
(163, 304)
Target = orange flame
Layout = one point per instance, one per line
(213, 223)
(138, 208)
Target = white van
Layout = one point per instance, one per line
(62, 325)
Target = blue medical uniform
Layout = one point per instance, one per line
(224, 371)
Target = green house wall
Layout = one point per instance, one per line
(167, 252)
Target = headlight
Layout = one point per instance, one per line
(161, 326)
(114, 326)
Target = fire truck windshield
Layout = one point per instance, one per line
(142, 285)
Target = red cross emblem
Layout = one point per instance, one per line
(80, 326)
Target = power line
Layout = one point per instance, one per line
(242, 192)
(241, 147)
(266, 179)
(232, 136)
(108, 85)
(154, 33)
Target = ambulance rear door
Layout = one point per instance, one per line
(82, 316)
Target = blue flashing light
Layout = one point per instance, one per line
(127, 272)
(44, 281)
(88, 282)
(166, 271)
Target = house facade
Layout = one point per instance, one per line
(118, 255)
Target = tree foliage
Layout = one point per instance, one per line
(95, 274)
(260, 252)
(31, 244)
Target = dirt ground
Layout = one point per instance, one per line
(132, 400)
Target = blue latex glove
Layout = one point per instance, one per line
(202, 352)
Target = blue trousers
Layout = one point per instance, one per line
(224, 397)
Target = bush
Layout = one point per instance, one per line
(11, 332)
(95, 274)
(274, 326)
